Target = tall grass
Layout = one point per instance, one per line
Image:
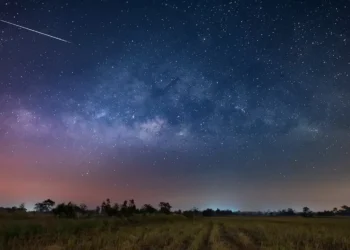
(173, 232)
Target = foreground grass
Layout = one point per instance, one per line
(175, 232)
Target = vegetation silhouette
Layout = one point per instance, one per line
(113, 225)
(128, 208)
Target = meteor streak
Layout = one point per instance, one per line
(57, 38)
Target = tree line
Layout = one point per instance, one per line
(128, 208)
(107, 208)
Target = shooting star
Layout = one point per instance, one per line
(57, 38)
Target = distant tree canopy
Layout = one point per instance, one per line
(45, 206)
(14, 209)
(208, 212)
(307, 212)
(69, 210)
(128, 208)
(344, 210)
(148, 209)
(165, 207)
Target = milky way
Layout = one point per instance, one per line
(235, 104)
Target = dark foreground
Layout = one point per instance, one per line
(175, 232)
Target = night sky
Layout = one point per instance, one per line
(222, 104)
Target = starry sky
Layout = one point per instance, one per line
(225, 104)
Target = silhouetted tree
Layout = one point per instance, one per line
(124, 209)
(59, 210)
(325, 213)
(115, 209)
(69, 210)
(307, 212)
(165, 207)
(335, 210)
(208, 212)
(290, 212)
(178, 211)
(148, 209)
(131, 207)
(44, 206)
(83, 208)
(286, 212)
(22, 207)
(226, 212)
(12, 209)
(345, 207)
(344, 210)
(196, 211)
(97, 210)
(106, 208)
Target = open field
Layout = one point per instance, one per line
(175, 232)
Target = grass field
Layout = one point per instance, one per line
(175, 232)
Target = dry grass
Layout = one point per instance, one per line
(175, 232)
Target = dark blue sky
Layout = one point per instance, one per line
(237, 104)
